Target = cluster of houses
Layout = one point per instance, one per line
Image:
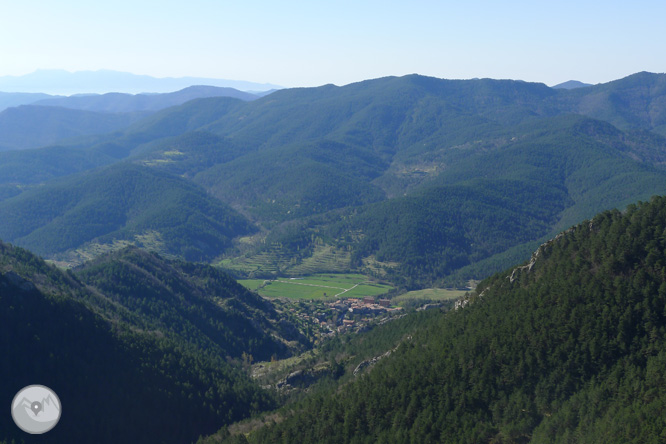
(342, 315)
(355, 313)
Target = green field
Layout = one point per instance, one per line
(319, 286)
(252, 284)
(433, 294)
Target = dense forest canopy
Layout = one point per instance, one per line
(352, 167)
(567, 347)
(416, 180)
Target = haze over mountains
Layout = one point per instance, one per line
(571, 84)
(568, 348)
(61, 82)
(154, 204)
(414, 178)
(44, 120)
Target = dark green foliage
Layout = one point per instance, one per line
(7, 191)
(634, 102)
(559, 172)
(188, 154)
(115, 384)
(199, 303)
(31, 126)
(335, 152)
(191, 116)
(288, 183)
(120, 202)
(28, 167)
(570, 349)
(434, 232)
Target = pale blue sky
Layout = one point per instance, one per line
(310, 43)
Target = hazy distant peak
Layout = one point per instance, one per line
(105, 81)
(571, 84)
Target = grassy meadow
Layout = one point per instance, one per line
(318, 286)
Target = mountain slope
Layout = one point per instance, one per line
(8, 100)
(634, 102)
(30, 126)
(125, 103)
(366, 149)
(115, 383)
(568, 346)
(121, 202)
(199, 303)
(475, 201)
(416, 137)
(26, 168)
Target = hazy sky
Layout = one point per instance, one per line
(309, 43)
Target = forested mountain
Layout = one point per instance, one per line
(568, 347)
(309, 151)
(125, 103)
(199, 303)
(416, 179)
(8, 99)
(44, 120)
(634, 102)
(121, 202)
(381, 168)
(30, 126)
(133, 346)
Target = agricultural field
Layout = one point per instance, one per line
(431, 294)
(277, 262)
(319, 286)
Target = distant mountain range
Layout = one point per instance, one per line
(8, 100)
(61, 82)
(418, 181)
(34, 120)
(414, 178)
(124, 102)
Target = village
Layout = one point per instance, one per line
(320, 319)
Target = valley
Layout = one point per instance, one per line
(421, 181)
(402, 259)
(323, 286)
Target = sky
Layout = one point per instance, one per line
(310, 43)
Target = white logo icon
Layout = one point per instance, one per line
(36, 409)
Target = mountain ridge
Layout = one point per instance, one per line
(102, 81)
(310, 157)
(58, 331)
(123, 102)
(566, 345)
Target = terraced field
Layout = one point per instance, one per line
(324, 259)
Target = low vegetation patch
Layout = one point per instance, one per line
(319, 286)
